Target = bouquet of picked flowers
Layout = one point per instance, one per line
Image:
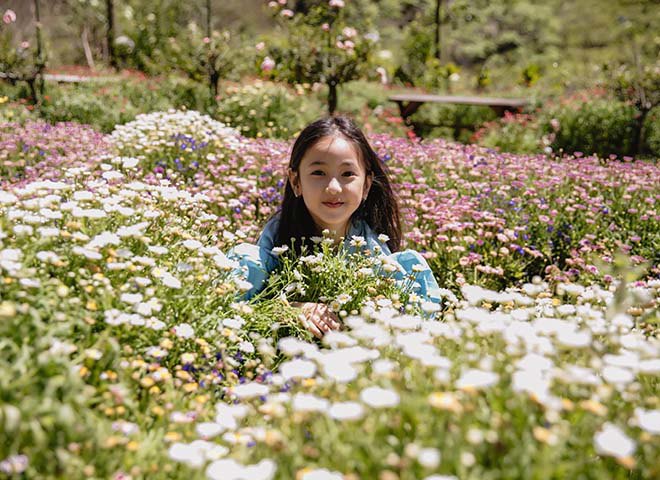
(345, 279)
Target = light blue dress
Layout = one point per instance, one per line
(257, 261)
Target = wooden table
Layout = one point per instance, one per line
(409, 103)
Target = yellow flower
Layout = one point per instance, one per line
(567, 404)
(112, 441)
(202, 399)
(183, 375)
(301, 473)
(274, 438)
(7, 310)
(445, 401)
(544, 435)
(147, 382)
(190, 387)
(132, 446)
(627, 462)
(594, 407)
(308, 382)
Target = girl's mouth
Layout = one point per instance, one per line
(333, 204)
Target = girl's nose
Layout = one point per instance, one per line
(333, 186)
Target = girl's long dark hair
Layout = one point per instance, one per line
(380, 210)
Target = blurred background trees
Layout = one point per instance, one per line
(545, 50)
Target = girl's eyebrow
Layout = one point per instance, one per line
(321, 162)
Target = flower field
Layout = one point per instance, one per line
(125, 351)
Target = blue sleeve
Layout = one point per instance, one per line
(425, 284)
(256, 261)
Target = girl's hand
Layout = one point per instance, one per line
(319, 319)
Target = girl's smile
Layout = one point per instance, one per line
(333, 182)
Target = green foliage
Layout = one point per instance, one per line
(202, 58)
(19, 60)
(450, 121)
(266, 109)
(599, 126)
(12, 110)
(638, 85)
(513, 133)
(328, 45)
(106, 104)
(417, 48)
(652, 133)
(150, 26)
(530, 74)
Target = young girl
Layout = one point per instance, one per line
(336, 182)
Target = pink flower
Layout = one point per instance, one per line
(591, 269)
(287, 13)
(349, 45)
(25, 45)
(260, 46)
(349, 32)
(272, 4)
(9, 16)
(325, 27)
(340, 45)
(206, 40)
(336, 3)
(268, 64)
(281, 2)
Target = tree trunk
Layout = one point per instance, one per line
(639, 132)
(332, 97)
(110, 34)
(438, 5)
(213, 74)
(40, 64)
(88, 51)
(208, 18)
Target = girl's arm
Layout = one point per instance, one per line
(413, 263)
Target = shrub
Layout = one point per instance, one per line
(15, 112)
(455, 121)
(106, 104)
(517, 133)
(266, 109)
(68, 105)
(600, 126)
(652, 133)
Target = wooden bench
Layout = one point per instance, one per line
(409, 103)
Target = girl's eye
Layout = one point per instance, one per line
(317, 172)
(349, 174)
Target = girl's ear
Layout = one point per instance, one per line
(293, 180)
(367, 185)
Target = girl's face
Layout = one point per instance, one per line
(333, 181)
